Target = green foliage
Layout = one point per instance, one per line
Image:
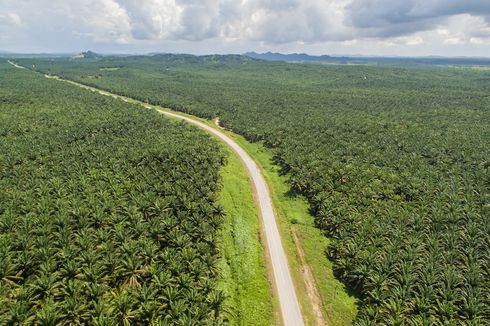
(243, 276)
(394, 162)
(108, 212)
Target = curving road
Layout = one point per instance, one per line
(291, 313)
(290, 310)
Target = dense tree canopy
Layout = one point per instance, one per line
(394, 161)
(108, 212)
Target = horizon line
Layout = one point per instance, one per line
(352, 55)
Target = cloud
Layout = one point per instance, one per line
(391, 18)
(297, 21)
(199, 20)
(101, 20)
(465, 29)
(151, 19)
(104, 20)
(54, 24)
(10, 20)
(274, 21)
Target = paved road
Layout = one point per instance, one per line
(290, 310)
(15, 65)
(288, 301)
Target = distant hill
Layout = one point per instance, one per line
(301, 57)
(87, 55)
(431, 60)
(4, 54)
(90, 55)
(210, 58)
(172, 58)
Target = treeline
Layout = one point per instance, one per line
(394, 162)
(108, 212)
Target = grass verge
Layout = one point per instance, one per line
(244, 275)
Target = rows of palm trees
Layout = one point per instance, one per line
(410, 236)
(108, 214)
(394, 161)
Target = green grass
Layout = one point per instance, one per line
(244, 274)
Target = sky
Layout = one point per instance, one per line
(355, 27)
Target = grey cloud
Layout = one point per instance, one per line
(296, 21)
(151, 19)
(281, 4)
(199, 20)
(387, 18)
(437, 8)
(145, 24)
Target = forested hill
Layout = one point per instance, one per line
(170, 58)
(393, 160)
(303, 57)
(296, 57)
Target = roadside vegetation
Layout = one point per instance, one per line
(393, 161)
(249, 298)
(109, 213)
